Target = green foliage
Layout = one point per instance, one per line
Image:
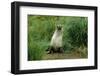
(41, 29)
(36, 51)
(77, 32)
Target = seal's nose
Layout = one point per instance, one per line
(59, 27)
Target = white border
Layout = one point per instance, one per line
(26, 65)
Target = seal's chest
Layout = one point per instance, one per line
(56, 40)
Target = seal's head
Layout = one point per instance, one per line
(59, 27)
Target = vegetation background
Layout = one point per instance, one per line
(41, 29)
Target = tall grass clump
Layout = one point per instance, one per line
(77, 35)
(77, 32)
(36, 51)
(40, 30)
